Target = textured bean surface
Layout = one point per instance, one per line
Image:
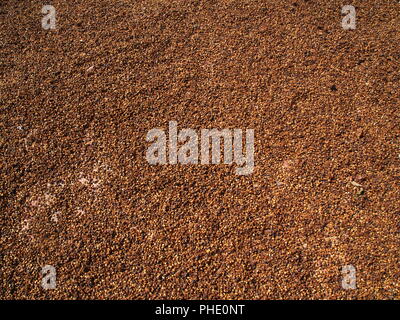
(77, 193)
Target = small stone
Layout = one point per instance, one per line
(54, 217)
(356, 184)
(359, 133)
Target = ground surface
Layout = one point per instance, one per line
(76, 191)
